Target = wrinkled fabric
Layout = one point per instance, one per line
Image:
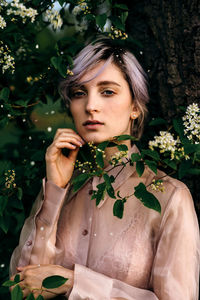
(144, 255)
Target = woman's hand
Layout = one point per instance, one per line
(31, 278)
(59, 168)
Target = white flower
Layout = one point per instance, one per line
(117, 157)
(192, 123)
(6, 60)
(2, 22)
(54, 18)
(76, 10)
(18, 9)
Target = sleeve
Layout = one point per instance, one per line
(90, 285)
(38, 235)
(175, 272)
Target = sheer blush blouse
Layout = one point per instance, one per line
(143, 256)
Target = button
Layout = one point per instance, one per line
(28, 243)
(85, 232)
(90, 192)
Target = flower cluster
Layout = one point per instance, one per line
(2, 22)
(54, 18)
(157, 185)
(10, 179)
(192, 123)
(69, 72)
(84, 167)
(3, 3)
(166, 142)
(6, 60)
(90, 166)
(30, 79)
(81, 7)
(117, 157)
(117, 34)
(18, 9)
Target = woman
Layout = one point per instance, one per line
(145, 255)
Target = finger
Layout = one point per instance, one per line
(64, 130)
(70, 139)
(69, 135)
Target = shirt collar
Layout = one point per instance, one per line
(125, 173)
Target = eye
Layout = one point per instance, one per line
(78, 94)
(108, 92)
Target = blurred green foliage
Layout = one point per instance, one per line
(35, 54)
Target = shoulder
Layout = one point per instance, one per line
(175, 193)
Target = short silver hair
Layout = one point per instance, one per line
(105, 50)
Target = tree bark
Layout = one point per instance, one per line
(169, 31)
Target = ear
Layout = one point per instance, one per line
(135, 113)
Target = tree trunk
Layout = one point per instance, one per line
(169, 31)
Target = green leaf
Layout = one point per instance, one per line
(9, 283)
(125, 137)
(152, 165)
(16, 293)
(17, 278)
(99, 159)
(178, 126)
(101, 20)
(140, 168)
(79, 181)
(151, 153)
(103, 145)
(59, 65)
(30, 297)
(4, 223)
(118, 209)
(147, 198)
(109, 187)
(121, 6)
(53, 282)
(19, 193)
(157, 121)
(100, 193)
(191, 148)
(122, 147)
(170, 163)
(124, 16)
(99, 155)
(116, 21)
(135, 157)
(4, 94)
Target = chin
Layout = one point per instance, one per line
(95, 138)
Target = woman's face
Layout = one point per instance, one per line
(102, 107)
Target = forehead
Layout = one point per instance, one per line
(99, 73)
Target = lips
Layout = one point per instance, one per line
(92, 122)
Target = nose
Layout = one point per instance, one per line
(92, 103)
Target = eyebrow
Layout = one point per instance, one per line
(100, 83)
(107, 82)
